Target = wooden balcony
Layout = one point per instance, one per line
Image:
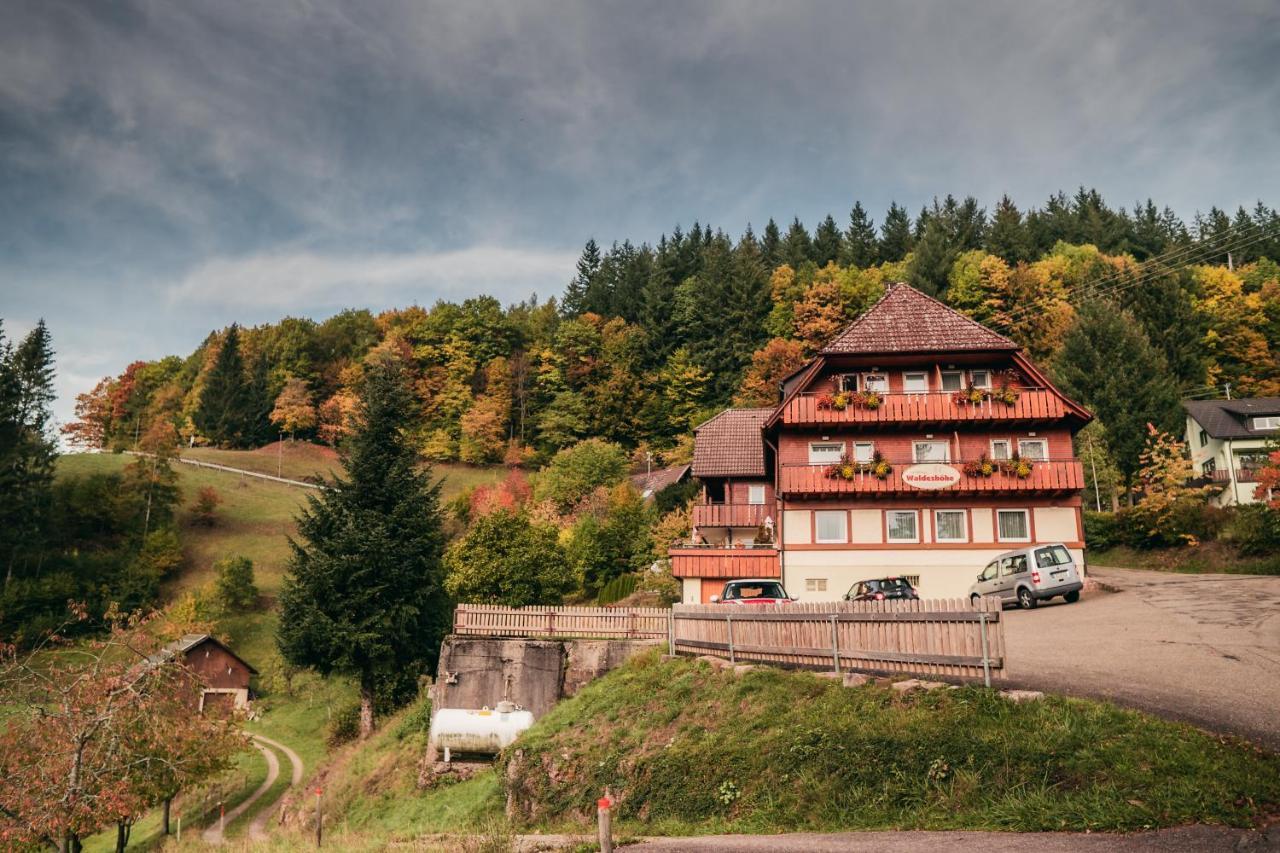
(702, 561)
(1050, 476)
(1034, 405)
(1244, 474)
(729, 515)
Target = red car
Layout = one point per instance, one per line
(752, 592)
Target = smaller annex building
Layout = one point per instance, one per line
(918, 443)
(224, 674)
(1228, 442)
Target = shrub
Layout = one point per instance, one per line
(618, 589)
(1254, 529)
(576, 471)
(344, 725)
(205, 506)
(507, 559)
(235, 587)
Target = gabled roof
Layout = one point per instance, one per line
(189, 642)
(1232, 418)
(653, 482)
(906, 320)
(731, 444)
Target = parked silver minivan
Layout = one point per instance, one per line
(1030, 575)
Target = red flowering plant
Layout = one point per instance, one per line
(980, 467)
(1016, 466)
(1006, 390)
(848, 468)
(970, 395)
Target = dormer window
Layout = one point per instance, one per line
(1267, 423)
(980, 378)
(915, 382)
(877, 382)
(952, 380)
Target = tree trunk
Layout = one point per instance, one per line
(122, 837)
(164, 815)
(366, 711)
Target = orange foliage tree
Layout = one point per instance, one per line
(770, 364)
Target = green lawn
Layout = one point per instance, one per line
(1211, 557)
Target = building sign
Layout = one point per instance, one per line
(931, 475)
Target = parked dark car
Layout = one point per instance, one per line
(752, 592)
(881, 589)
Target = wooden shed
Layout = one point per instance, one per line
(223, 674)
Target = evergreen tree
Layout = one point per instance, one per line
(576, 293)
(260, 402)
(827, 242)
(771, 245)
(226, 404)
(1107, 363)
(796, 247)
(895, 234)
(364, 592)
(1165, 306)
(860, 248)
(1008, 237)
(933, 256)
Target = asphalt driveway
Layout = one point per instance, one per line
(1199, 648)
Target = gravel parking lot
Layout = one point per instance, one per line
(1200, 648)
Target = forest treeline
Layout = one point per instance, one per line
(1129, 309)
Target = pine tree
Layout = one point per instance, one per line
(933, 256)
(771, 245)
(226, 401)
(364, 592)
(895, 234)
(1107, 363)
(827, 242)
(797, 247)
(1008, 237)
(576, 293)
(860, 248)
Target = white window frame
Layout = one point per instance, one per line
(888, 524)
(822, 460)
(1008, 446)
(964, 525)
(920, 376)
(985, 383)
(1043, 442)
(830, 513)
(845, 380)
(958, 374)
(882, 379)
(946, 454)
(859, 446)
(755, 489)
(815, 584)
(1266, 422)
(1026, 514)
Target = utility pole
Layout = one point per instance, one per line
(280, 456)
(1228, 385)
(1093, 463)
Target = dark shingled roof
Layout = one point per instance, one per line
(1231, 418)
(906, 320)
(655, 481)
(189, 642)
(731, 444)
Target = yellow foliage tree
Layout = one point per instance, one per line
(294, 411)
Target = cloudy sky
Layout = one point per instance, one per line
(169, 167)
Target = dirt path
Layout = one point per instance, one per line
(1200, 648)
(213, 835)
(258, 828)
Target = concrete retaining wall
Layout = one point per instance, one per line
(475, 672)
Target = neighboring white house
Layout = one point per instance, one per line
(1228, 442)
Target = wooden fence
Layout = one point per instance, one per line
(630, 623)
(941, 637)
(945, 637)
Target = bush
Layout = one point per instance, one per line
(1254, 529)
(1102, 530)
(507, 559)
(235, 587)
(618, 589)
(344, 726)
(205, 507)
(577, 471)
(1184, 521)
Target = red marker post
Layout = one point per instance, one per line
(605, 819)
(319, 817)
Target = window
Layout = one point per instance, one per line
(952, 380)
(1015, 565)
(1054, 555)
(832, 525)
(1204, 438)
(1208, 467)
(990, 571)
(915, 382)
(864, 451)
(931, 451)
(1013, 525)
(847, 382)
(1000, 448)
(980, 378)
(755, 494)
(825, 452)
(815, 584)
(875, 382)
(1269, 422)
(1033, 448)
(949, 525)
(902, 525)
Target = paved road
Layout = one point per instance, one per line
(1193, 839)
(1200, 648)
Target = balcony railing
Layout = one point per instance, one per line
(933, 407)
(1050, 475)
(707, 561)
(1244, 474)
(729, 515)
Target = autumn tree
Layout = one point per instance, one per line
(294, 411)
(486, 426)
(93, 418)
(576, 471)
(770, 364)
(505, 558)
(1167, 496)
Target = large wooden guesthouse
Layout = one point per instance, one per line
(918, 443)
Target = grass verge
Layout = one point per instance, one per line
(1209, 558)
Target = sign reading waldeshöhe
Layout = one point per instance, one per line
(930, 475)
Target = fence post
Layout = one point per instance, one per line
(835, 643)
(728, 620)
(671, 631)
(986, 658)
(551, 623)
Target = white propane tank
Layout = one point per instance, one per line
(484, 731)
